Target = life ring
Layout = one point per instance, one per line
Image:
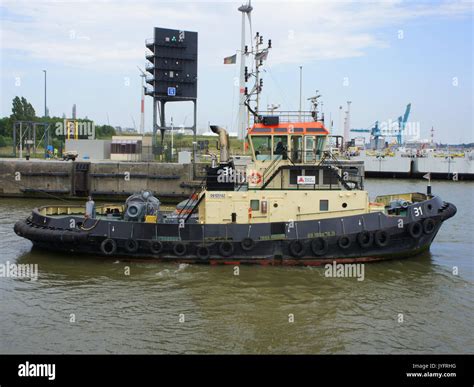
(415, 230)
(131, 245)
(365, 239)
(296, 248)
(179, 249)
(203, 252)
(226, 249)
(429, 226)
(156, 247)
(319, 246)
(255, 178)
(108, 246)
(247, 244)
(344, 242)
(381, 238)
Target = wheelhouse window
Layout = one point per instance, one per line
(320, 141)
(296, 148)
(262, 146)
(313, 146)
(280, 147)
(310, 149)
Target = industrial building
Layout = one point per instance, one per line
(89, 149)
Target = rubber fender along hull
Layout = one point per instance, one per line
(315, 243)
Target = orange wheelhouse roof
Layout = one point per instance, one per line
(308, 128)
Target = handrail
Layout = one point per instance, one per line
(194, 208)
(183, 210)
(291, 115)
(322, 164)
(271, 167)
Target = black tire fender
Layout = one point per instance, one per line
(344, 242)
(156, 247)
(179, 249)
(429, 226)
(365, 239)
(381, 238)
(226, 249)
(297, 248)
(247, 244)
(203, 252)
(105, 249)
(319, 246)
(415, 230)
(131, 245)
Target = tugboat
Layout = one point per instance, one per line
(294, 204)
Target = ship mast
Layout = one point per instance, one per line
(314, 106)
(246, 9)
(260, 54)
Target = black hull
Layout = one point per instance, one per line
(361, 238)
(419, 175)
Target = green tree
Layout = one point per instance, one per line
(104, 131)
(22, 110)
(6, 127)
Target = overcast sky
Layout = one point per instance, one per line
(379, 55)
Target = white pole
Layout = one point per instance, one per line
(21, 142)
(172, 146)
(347, 123)
(246, 9)
(301, 90)
(142, 108)
(241, 120)
(341, 130)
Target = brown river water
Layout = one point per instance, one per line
(84, 304)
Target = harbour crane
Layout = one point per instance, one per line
(376, 133)
(401, 124)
